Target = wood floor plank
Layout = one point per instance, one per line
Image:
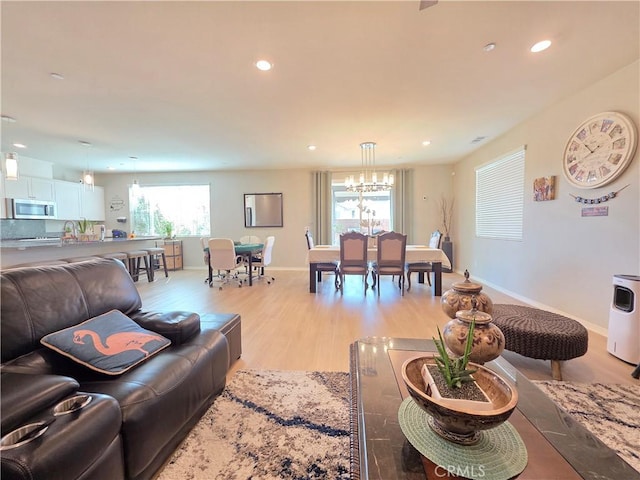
(284, 327)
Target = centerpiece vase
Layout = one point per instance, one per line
(459, 297)
(488, 339)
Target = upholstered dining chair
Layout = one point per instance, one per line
(424, 267)
(331, 267)
(391, 251)
(353, 258)
(223, 259)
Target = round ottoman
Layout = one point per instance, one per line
(536, 333)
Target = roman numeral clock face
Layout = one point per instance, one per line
(599, 150)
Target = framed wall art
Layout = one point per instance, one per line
(544, 188)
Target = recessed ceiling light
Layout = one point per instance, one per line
(57, 76)
(8, 119)
(19, 145)
(540, 46)
(311, 147)
(263, 65)
(489, 46)
(426, 142)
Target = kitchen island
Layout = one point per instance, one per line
(18, 252)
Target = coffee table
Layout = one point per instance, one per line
(557, 446)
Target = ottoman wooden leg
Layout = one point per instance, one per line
(556, 371)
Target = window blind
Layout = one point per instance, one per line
(500, 197)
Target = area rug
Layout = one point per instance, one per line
(610, 412)
(270, 425)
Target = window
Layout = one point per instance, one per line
(500, 197)
(184, 207)
(368, 214)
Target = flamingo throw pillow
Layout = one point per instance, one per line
(111, 343)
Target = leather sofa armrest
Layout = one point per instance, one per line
(24, 395)
(177, 326)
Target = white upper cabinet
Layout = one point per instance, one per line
(92, 205)
(29, 187)
(68, 199)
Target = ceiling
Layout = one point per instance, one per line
(175, 84)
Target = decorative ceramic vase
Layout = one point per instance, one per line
(488, 339)
(459, 297)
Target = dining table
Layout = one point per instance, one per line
(414, 254)
(247, 250)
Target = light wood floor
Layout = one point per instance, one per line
(284, 327)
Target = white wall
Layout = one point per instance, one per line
(227, 207)
(565, 262)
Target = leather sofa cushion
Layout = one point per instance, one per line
(37, 301)
(110, 343)
(177, 326)
(24, 394)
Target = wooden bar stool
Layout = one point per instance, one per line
(80, 259)
(118, 255)
(134, 257)
(159, 253)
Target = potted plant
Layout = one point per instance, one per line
(463, 398)
(167, 228)
(450, 379)
(85, 230)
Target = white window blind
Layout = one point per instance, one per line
(500, 197)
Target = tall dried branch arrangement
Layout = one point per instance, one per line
(446, 213)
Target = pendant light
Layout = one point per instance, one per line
(88, 177)
(11, 166)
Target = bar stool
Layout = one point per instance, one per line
(153, 253)
(118, 255)
(134, 257)
(80, 259)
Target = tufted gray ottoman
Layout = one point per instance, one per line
(536, 333)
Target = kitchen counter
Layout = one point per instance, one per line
(17, 252)
(48, 242)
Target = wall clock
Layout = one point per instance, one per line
(599, 150)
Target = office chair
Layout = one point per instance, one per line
(223, 258)
(263, 259)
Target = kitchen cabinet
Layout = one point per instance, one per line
(33, 188)
(74, 202)
(92, 205)
(68, 199)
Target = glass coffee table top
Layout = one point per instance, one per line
(557, 446)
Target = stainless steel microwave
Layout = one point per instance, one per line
(30, 209)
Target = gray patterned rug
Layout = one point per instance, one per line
(270, 425)
(295, 425)
(610, 412)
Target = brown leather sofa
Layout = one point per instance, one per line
(133, 421)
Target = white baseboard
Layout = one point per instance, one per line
(588, 325)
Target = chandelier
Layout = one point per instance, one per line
(368, 180)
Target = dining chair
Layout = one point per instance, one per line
(353, 258)
(263, 259)
(391, 251)
(331, 267)
(246, 239)
(424, 267)
(223, 258)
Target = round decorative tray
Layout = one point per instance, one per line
(500, 453)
